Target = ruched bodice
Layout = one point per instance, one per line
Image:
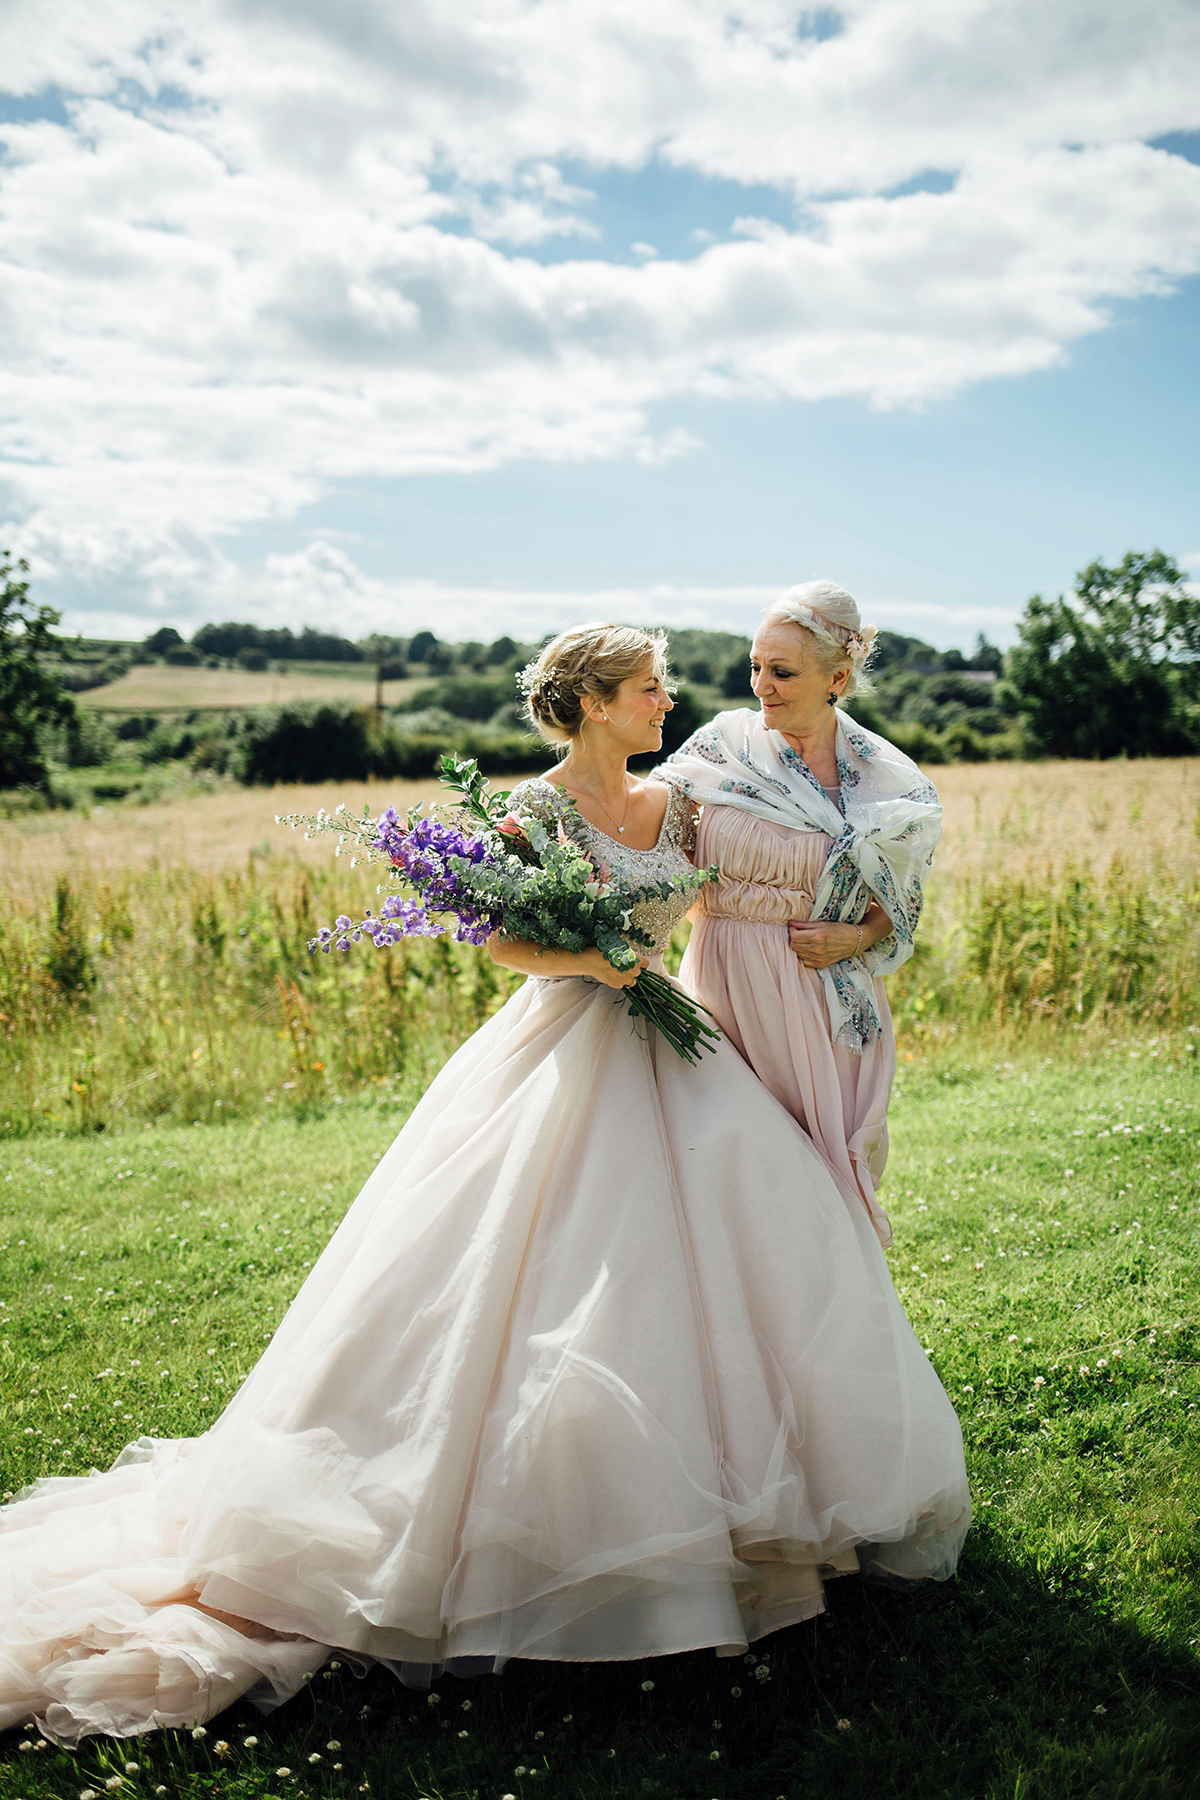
(768, 874)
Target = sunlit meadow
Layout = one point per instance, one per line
(190, 1103)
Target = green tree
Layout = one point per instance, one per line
(1115, 671)
(31, 697)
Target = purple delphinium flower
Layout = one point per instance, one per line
(422, 854)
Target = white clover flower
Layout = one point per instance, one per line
(736, 1692)
(283, 1773)
(647, 1687)
(132, 1768)
(1039, 1381)
(26, 1744)
(433, 1699)
(160, 1790)
(198, 1731)
(1099, 1709)
(88, 1794)
(114, 1782)
(520, 1769)
(334, 1744)
(314, 1756)
(714, 1756)
(463, 1734)
(251, 1743)
(844, 1725)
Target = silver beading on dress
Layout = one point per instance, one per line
(668, 860)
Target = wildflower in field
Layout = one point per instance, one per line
(762, 1673)
(1099, 1709)
(522, 1770)
(433, 1699)
(647, 1687)
(314, 1756)
(251, 1743)
(844, 1725)
(714, 1756)
(198, 1731)
(132, 1768)
(334, 1744)
(114, 1782)
(221, 1747)
(88, 1794)
(736, 1692)
(283, 1773)
(1039, 1381)
(26, 1745)
(463, 1734)
(466, 1706)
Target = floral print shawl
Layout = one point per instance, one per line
(882, 847)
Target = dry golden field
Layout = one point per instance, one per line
(156, 687)
(999, 817)
(153, 959)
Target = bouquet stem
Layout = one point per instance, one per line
(671, 1012)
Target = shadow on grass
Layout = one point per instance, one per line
(987, 1688)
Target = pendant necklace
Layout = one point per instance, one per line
(598, 802)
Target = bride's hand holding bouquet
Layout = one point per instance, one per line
(532, 894)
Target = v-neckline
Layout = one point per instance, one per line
(620, 842)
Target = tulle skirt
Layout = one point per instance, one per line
(602, 1363)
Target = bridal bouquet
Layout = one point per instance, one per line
(491, 870)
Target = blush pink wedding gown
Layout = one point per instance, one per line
(740, 963)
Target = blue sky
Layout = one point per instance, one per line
(498, 317)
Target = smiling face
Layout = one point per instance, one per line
(633, 718)
(789, 681)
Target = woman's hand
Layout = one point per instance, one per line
(593, 965)
(819, 943)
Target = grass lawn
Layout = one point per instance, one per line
(1045, 1215)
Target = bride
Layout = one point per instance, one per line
(602, 1363)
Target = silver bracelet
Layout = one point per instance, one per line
(858, 946)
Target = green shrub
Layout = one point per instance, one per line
(463, 696)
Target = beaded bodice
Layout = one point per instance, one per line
(667, 860)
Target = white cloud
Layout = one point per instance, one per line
(187, 583)
(281, 245)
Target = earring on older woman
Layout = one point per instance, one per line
(832, 701)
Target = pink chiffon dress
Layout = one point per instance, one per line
(740, 963)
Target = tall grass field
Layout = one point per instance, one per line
(189, 1102)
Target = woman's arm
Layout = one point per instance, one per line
(819, 943)
(534, 959)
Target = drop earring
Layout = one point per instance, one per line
(832, 701)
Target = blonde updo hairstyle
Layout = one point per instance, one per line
(830, 617)
(588, 663)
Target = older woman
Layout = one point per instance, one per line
(824, 834)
